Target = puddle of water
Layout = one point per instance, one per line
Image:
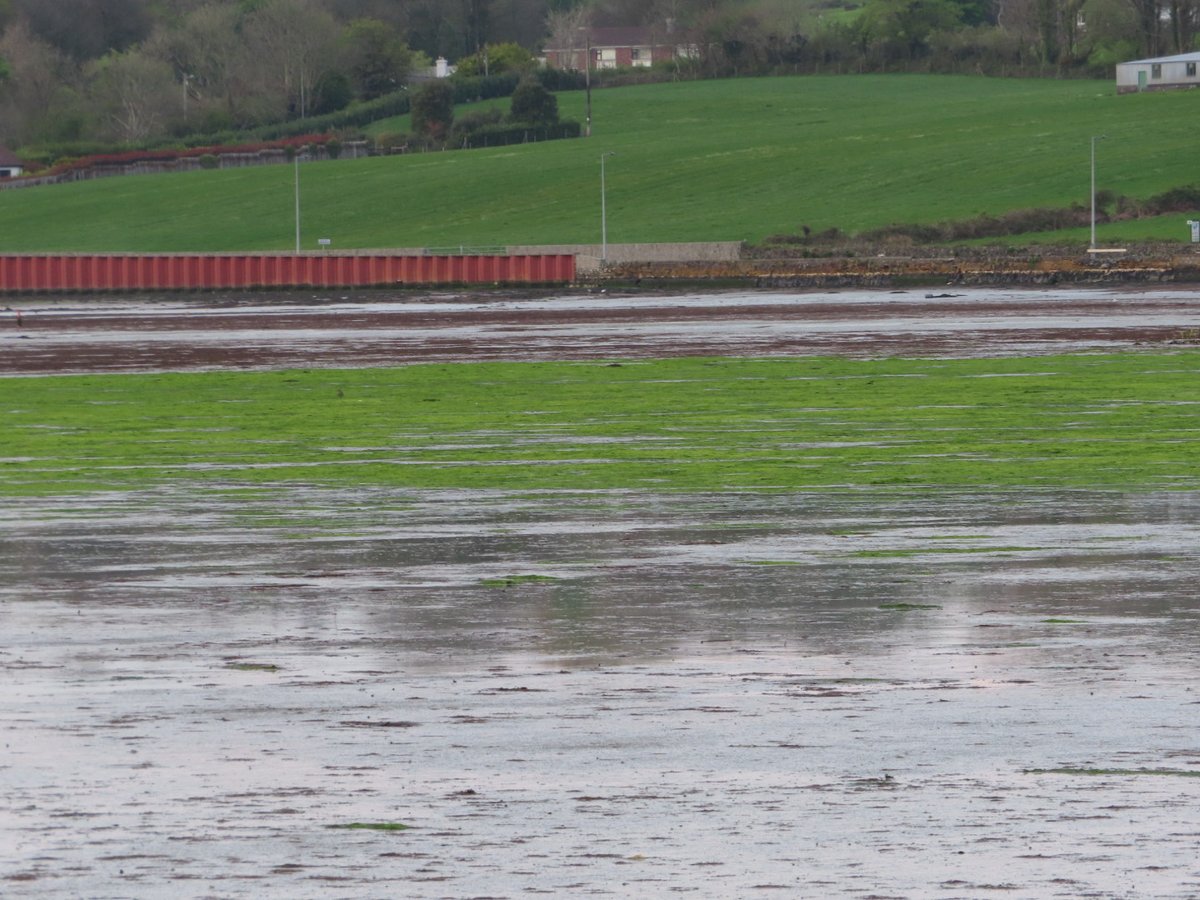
(834, 694)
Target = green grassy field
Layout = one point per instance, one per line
(1123, 421)
(714, 160)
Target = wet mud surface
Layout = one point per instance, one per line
(855, 693)
(81, 334)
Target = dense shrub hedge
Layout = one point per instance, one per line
(352, 117)
(1109, 207)
(501, 135)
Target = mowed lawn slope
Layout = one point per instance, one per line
(717, 160)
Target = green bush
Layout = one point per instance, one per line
(392, 140)
(397, 103)
(471, 122)
(433, 109)
(532, 103)
(483, 87)
(1180, 199)
(498, 59)
(521, 133)
(561, 79)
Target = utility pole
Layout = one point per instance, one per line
(587, 83)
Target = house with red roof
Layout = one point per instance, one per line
(627, 47)
(10, 165)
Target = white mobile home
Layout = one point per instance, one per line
(1158, 74)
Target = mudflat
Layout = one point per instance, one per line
(281, 688)
(380, 328)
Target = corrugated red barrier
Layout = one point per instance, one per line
(139, 272)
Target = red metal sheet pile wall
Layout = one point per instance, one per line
(137, 272)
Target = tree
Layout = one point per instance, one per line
(87, 29)
(391, 12)
(333, 92)
(206, 53)
(623, 12)
(376, 58)
(39, 99)
(476, 18)
(1185, 23)
(433, 109)
(566, 29)
(1111, 32)
(532, 103)
(498, 59)
(450, 28)
(976, 12)
(134, 94)
(519, 21)
(1149, 15)
(1047, 19)
(293, 42)
(903, 27)
(731, 42)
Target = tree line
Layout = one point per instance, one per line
(137, 71)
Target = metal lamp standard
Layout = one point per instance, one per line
(296, 160)
(603, 209)
(1097, 137)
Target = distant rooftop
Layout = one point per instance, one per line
(629, 36)
(1194, 56)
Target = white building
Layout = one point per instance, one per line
(10, 166)
(1160, 73)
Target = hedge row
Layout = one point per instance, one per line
(354, 116)
(520, 133)
(1110, 207)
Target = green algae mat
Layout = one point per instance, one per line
(1129, 421)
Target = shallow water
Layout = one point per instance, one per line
(855, 694)
(838, 694)
(263, 331)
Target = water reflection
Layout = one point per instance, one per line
(597, 578)
(826, 694)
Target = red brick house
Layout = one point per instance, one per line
(10, 166)
(631, 47)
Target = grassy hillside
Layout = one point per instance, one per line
(717, 160)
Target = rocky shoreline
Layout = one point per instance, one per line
(890, 271)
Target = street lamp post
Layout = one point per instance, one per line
(1095, 137)
(296, 159)
(603, 210)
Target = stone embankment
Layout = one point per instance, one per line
(885, 272)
